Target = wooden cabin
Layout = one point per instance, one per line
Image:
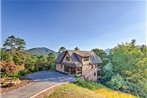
(79, 63)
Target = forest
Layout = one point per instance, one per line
(124, 68)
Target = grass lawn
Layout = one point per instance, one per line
(74, 90)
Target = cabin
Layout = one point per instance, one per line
(79, 63)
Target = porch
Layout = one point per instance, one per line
(73, 70)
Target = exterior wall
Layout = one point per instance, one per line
(85, 62)
(88, 72)
(58, 67)
(67, 55)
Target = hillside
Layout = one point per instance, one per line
(71, 90)
(41, 51)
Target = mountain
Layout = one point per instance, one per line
(107, 51)
(41, 51)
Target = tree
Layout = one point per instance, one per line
(10, 43)
(128, 69)
(99, 52)
(61, 50)
(77, 48)
(130, 62)
(5, 55)
(14, 45)
(51, 60)
(20, 44)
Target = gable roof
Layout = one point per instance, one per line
(94, 59)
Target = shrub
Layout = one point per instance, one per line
(116, 82)
(138, 89)
(88, 84)
(106, 73)
(10, 69)
(52, 67)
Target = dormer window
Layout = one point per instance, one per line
(86, 58)
(67, 58)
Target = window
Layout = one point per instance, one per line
(67, 58)
(86, 58)
(95, 74)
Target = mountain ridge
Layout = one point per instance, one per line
(41, 51)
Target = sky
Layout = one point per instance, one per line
(83, 24)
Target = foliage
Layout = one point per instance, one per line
(116, 82)
(99, 52)
(51, 60)
(19, 58)
(128, 69)
(14, 58)
(61, 50)
(5, 55)
(88, 84)
(10, 69)
(130, 62)
(106, 73)
(77, 48)
(14, 43)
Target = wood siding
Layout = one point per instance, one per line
(88, 72)
(60, 67)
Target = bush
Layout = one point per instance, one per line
(106, 73)
(137, 89)
(10, 69)
(52, 67)
(88, 84)
(116, 82)
(42, 66)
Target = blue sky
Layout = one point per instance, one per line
(85, 24)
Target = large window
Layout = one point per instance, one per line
(67, 59)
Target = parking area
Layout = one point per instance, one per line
(41, 81)
(52, 76)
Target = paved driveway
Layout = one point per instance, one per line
(42, 80)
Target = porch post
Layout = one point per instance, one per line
(70, 70)
(76, 70)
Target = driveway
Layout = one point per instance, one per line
(41, 81)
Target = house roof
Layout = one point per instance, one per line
(94, 59)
